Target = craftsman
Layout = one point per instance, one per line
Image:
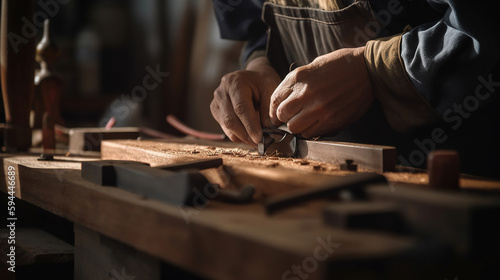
(418, 75)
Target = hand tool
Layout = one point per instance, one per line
(277, 142)
(183, 186)
(243, 195)
(177, 188)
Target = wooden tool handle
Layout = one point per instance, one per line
(17, 70)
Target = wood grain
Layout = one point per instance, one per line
(368, 157)
(243, 165)
(220, 241)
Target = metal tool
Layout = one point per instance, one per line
(178, 184)
(277, 141)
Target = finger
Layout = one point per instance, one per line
(265, 120)
(302, 122)
(283, 90)
(315, 130)
(292, 105)
(243, 107)
(222, 110)
(216, 112)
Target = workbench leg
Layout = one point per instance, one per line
(99, 257)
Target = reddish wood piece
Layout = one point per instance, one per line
(110, 123)
(177, 124)
(48, 85)
(49, 135)
(444, 169)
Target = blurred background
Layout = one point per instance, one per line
(107, 46)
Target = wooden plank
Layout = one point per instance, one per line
(220, 241)
(244, 166)
(87, 141)
(367, 157)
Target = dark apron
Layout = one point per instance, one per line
(297, 35)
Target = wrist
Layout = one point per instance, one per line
(258, 64)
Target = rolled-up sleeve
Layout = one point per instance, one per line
(421, 74)
(403, 106)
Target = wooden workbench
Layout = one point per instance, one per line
(219, 241)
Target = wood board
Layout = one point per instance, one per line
(220, 241)
(243, 165)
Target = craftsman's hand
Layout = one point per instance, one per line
(324, 96)
(241, 102)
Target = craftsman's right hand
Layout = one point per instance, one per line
(241, 102)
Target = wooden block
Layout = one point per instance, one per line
(467, 222)
(88, 140)
(364, 215)
(367, 157)
(35, 246)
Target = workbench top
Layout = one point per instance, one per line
(219, 240)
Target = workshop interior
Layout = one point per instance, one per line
(113, 166)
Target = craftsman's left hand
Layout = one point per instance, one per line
(324, 96)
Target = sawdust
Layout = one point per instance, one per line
(242, 155)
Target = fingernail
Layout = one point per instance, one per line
(255, 137)
(251, 142)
